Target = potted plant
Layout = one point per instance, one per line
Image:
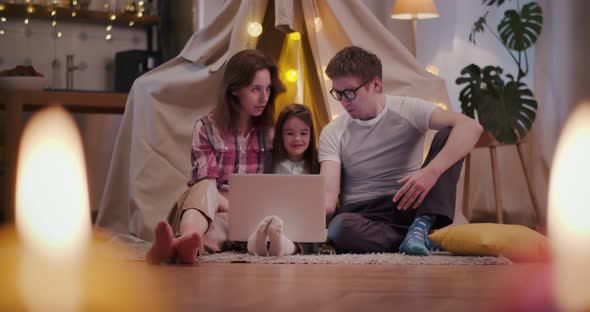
(505, 107)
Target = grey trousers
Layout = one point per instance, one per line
(376, 225)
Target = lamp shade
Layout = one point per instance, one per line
(414, 9)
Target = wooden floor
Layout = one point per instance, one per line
(258, 287)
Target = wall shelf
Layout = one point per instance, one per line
(82, 16)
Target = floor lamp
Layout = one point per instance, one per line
(414, 10)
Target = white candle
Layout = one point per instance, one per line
(569, 213)
(52, 212)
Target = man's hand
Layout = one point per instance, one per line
(416, 187)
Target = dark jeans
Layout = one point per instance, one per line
(376, 225)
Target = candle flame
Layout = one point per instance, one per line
(52, 207)
(569, 216)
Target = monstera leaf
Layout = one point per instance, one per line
(478, 83)
(520, 31)
(507, 111)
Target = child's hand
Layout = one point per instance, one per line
(224, 188)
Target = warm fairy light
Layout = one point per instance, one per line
(109, 27)
(317, 22)
(74, 2)
(26, 21)
(108, 37)
(113, 17)
(53, 23)
(2, 7)
(59, 34)
(53, 13)
(30, 9)
(432, 69)
(442, 105)
(73, 13)
(52, 216)
(254, 29)
(139, 14)
(131, 23)
(569, 216)
(140, 3)
(295, 36)
(106, 6)
(1, 31)
(3, 19)
(291, 75)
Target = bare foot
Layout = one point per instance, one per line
(163, 248)
(257, 241)
(187, 246)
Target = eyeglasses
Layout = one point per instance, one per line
(349, 94)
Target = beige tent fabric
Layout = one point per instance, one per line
(151, 161)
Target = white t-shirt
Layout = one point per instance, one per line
(374, 154)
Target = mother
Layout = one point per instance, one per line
(235, 138)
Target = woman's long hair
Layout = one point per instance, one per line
(239, 72)
(279, 153)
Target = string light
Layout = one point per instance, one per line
(295, 36)
(2, 7)
(73, 13)
(291, 75)
(317, 21)
(3, 19)
(30, 9)
(109, 27)
(26, 21)
(59, 34)
(254, 29)
(108, 37)
(1, 31)
(131, 23)
(53, 13)
(53, 23)
(432, 69)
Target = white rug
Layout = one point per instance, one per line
(441, 258)
(132, 249)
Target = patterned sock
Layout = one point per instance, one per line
(415, 241)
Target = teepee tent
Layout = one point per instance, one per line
(151, 161)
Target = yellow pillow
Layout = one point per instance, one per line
(515, 242)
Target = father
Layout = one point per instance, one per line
(372, 161)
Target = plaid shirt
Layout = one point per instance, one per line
(216, 156)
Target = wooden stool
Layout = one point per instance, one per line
(488, 141)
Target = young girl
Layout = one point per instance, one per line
(233, 138)
(294, 152)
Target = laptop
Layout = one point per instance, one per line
(297, 199)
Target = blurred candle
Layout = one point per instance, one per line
(52, 212)
(569, 214)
